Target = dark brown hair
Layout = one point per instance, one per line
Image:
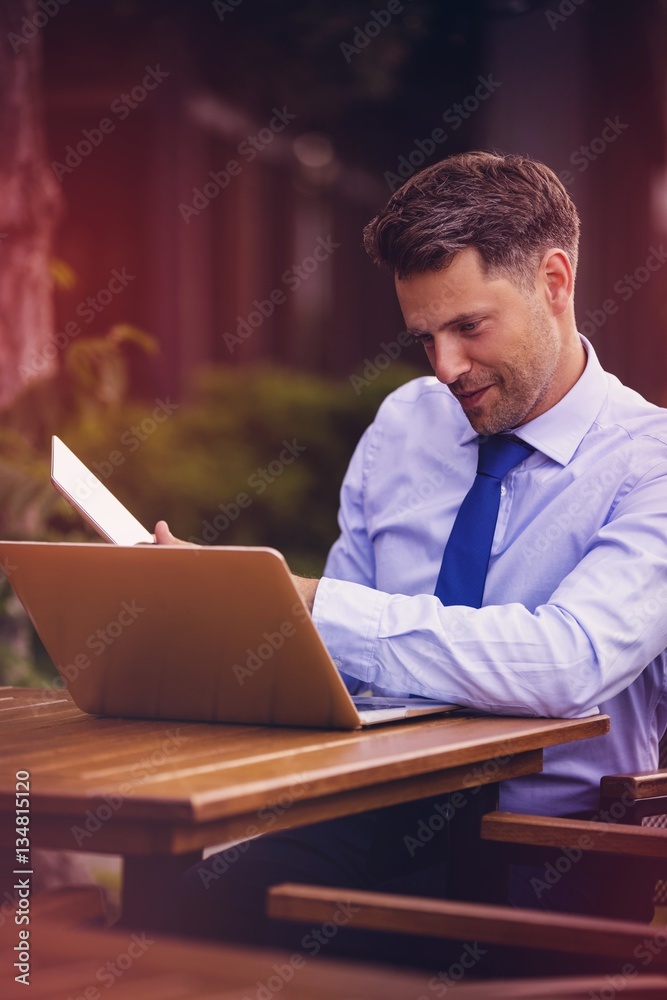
(510, 208)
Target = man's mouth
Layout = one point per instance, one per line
(471, 398)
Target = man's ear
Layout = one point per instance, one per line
(557, 280)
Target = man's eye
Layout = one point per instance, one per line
(468, 327)
(425, 339)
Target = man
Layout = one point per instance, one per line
(570, 617)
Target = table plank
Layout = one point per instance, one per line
(158, 792)
(197, 772)
(119, 833)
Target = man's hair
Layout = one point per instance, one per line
(510, 208)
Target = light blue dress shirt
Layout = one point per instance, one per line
(574, 616)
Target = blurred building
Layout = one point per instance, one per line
(220, 215)
(239, 239)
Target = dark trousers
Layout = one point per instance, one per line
(224, 896)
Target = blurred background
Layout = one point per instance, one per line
(184, 297)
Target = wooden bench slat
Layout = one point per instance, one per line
(502, 925)
(65, 963)
(562, 988)
(72, 905)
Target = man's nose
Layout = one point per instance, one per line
(449, 361)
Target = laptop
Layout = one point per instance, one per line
(212, 634)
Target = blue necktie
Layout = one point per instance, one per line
(466, 557)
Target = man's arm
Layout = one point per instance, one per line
(602, 625)
(307, 589)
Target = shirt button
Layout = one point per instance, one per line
(503, 491)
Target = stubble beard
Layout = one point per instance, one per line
(522, 385)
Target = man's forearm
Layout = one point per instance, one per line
(306, 588)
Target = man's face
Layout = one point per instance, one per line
(496, 348)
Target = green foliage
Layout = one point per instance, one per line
(90, 385)
(251, 456)
(91, 381)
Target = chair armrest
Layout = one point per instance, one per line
(587, 835)
(502, 925)
(645, 785)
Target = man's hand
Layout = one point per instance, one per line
(305, 586)
(306, 590)
(163, 536)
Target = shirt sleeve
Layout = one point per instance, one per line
(351, 559)
(599, 629)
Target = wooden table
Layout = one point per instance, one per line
(157, 793)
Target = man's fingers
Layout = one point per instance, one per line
(163, 536)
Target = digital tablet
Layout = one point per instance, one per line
(90, 497)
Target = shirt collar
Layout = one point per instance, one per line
(558, 432)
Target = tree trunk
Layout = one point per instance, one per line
(29, 202)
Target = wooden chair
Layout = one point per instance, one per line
(627, 799)
(633, 807)
(632, 824)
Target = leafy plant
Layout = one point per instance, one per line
(249, 457)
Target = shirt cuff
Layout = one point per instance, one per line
(347, 616)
